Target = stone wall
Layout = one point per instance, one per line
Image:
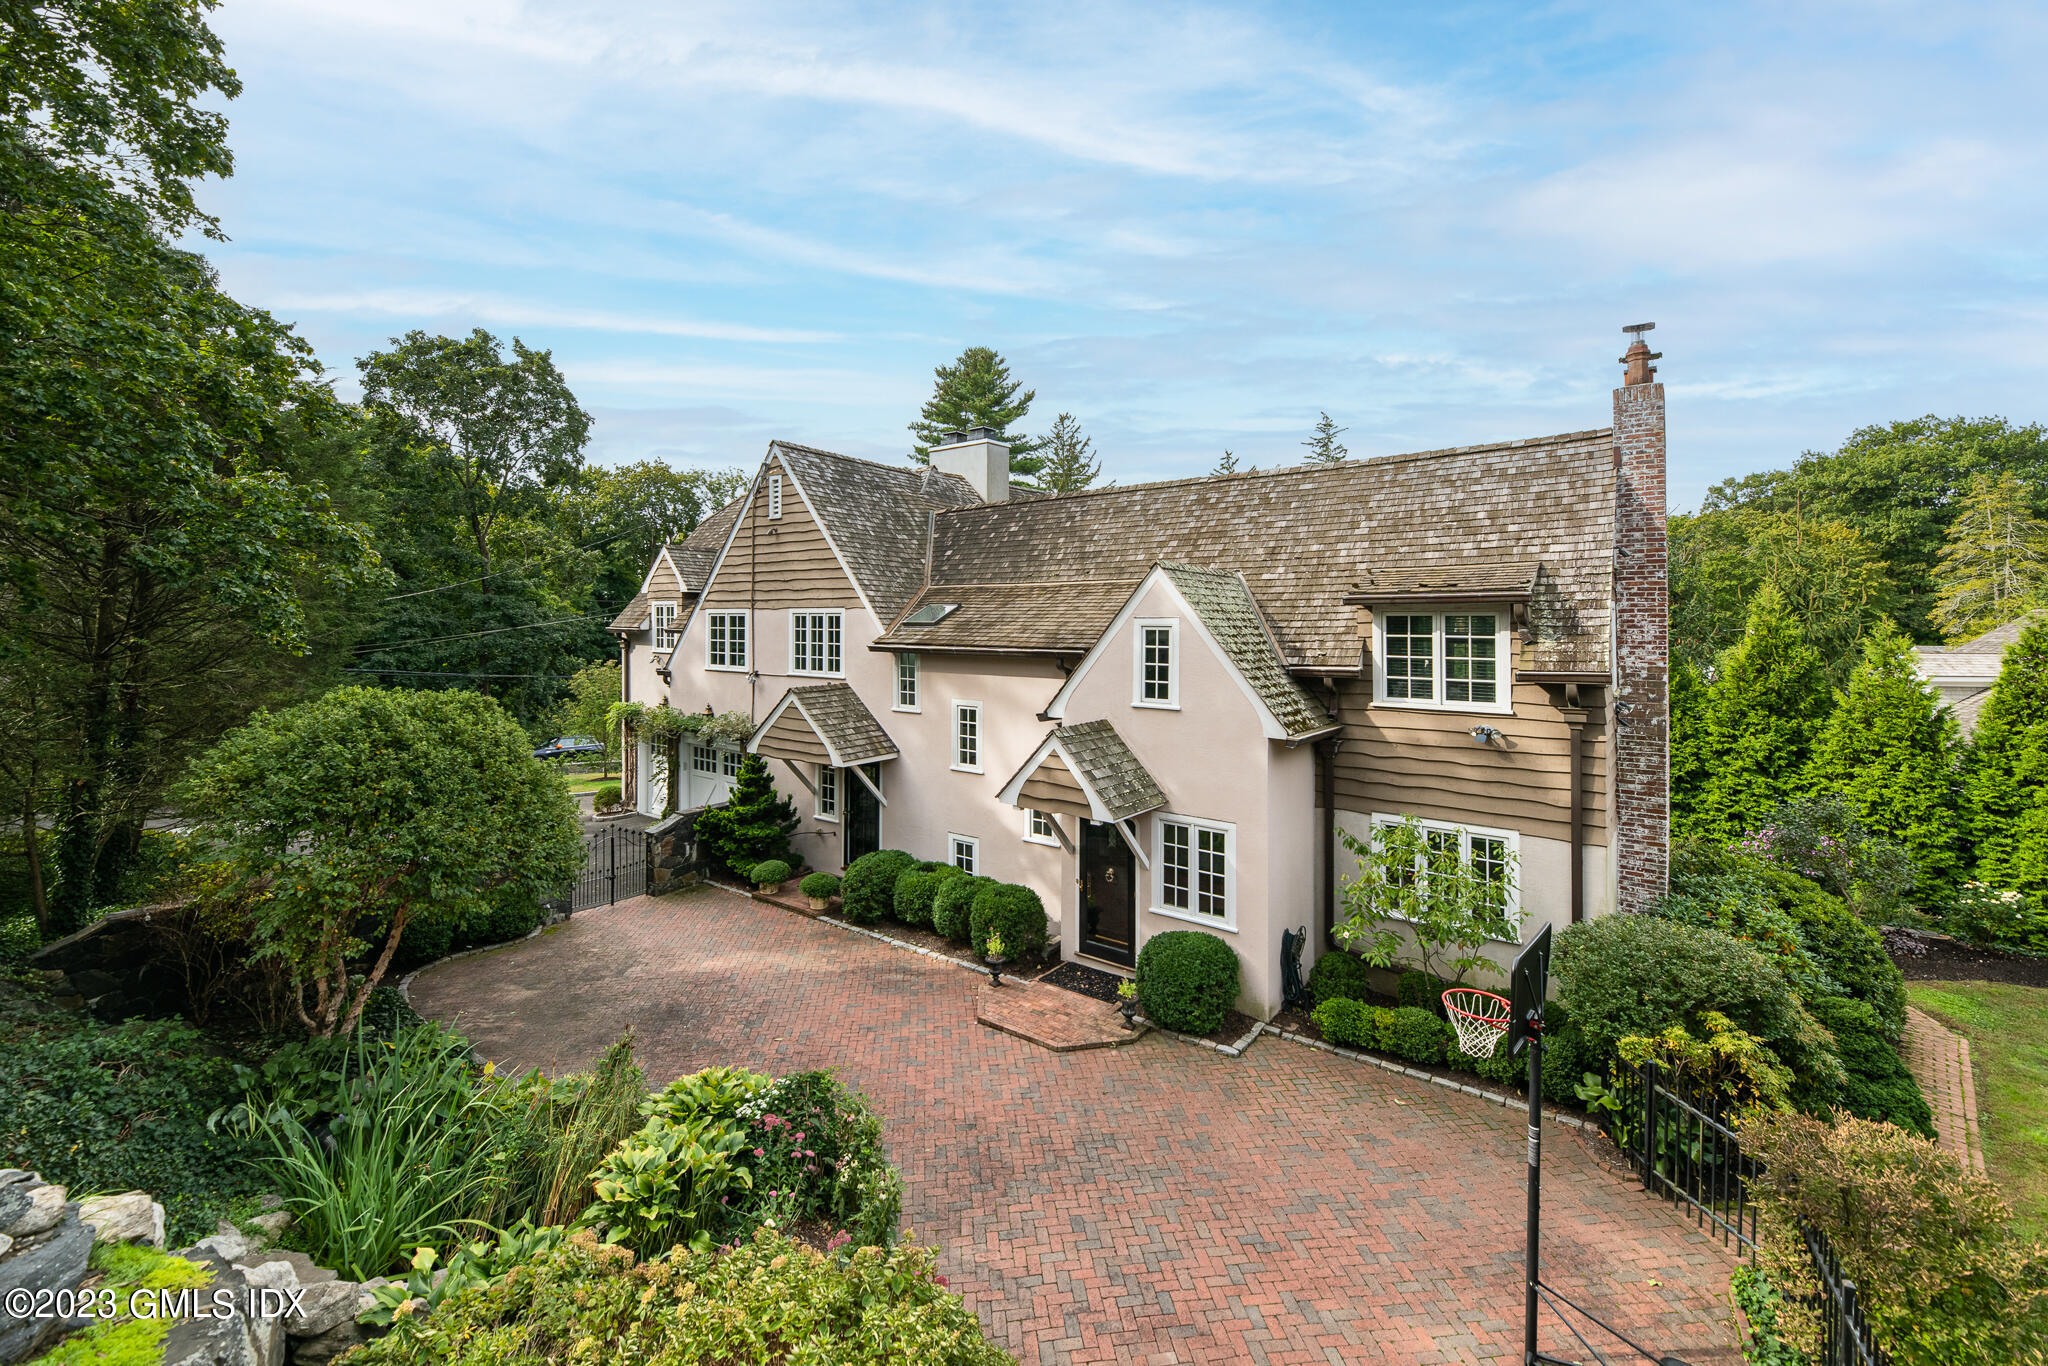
(673, 858)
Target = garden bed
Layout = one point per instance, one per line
(1925, 956)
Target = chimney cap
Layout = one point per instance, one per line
(1636, 330)
(952, 438)
(982, 433)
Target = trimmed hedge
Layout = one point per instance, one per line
(1012, 911)
(1337, 974)
(868, 891)
(769, 873)
(1351, 1024)
(953, 906)
(1424, 992)
(1187, 980)
(1413, 1033)
(606, 796)
(819, 885)
(918, 888)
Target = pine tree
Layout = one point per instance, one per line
(1765, 709)
(1067, 466)
(1689, 747)
(1995, 561)
(1890, 749)
(2005, 791)
(753, 825)
(1228, 465)
(1324, 448)
(977, 391)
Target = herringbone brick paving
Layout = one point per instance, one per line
(1160, 1203)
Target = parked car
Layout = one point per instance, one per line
(569, 747)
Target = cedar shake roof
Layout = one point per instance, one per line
(877, 516)
(850, 732)
(695, 556)
(1098, 757)
(1305, 538)
(1395, 582)
(1007, 616)
(634, 616)
(1226, 608)
(1995, 640)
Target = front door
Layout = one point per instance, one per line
(862, 821)
(1109, 895)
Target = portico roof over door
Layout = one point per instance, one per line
(822, 723)
(1085, 769)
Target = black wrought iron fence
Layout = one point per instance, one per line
(1845, 1337)
(614, 868)
(1678, 1141)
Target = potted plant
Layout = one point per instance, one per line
(1127, 1001)
(992, 954)
(769, 875)
(819, 889)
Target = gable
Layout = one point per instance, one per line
(1052, 787)
(778, 563)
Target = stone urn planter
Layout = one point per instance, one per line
(819, 903)
(993, 955)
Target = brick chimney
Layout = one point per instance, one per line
(1642, 635)
(977, 456)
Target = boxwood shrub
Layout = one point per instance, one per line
(1415, 1034)
(1014, 912)
(819, 885)
(953, 905)
(1339, 974)
(606, 796)
(918, 888)
(1424, 992)
(1351, 1024)
(1879, 1086)
(769, 873)
(868, 892)
(1187, 980)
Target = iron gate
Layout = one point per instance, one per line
(614, 868)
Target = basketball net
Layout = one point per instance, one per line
(1480, 1017)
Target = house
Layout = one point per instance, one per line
(1162, 705)
(1963, 674)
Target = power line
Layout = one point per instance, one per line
(472, 635)
(450, 673)
(524, 564)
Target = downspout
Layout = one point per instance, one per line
(1326, 776)
(1575, 717)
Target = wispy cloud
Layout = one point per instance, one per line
(429, 306)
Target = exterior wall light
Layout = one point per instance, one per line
(1485, 735)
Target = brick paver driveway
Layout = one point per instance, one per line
(1157, 1203)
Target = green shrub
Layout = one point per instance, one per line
(953, 906)
(868, 891)
(1350, 1024)
(114, 1108)
(670, 1183)
(1336, 973)
(1187, 980)
(606, 795)
(1423, 991)
(918, 888)
(1622, 975)
(753, 825)
(814, 1149)
(822, 886)
(1417, 1035)
(1879, 1086)
(505, 914)
(769, 873)
(1012, 911)
(716, 1093)
(428, 937)
(2006, 919)
(1760, 1303)
(767, 1300)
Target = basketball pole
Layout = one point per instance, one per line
(1535, 1234)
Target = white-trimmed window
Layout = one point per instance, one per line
(729, 762)
(1039, 829)
(906, 682)
(966, 852)
(1197, 863)
(774, 497)
(725, 640)
(1492, 854)
(814, 643)
(665, 633)
(704, 759)
(1155, 680)
(1452, 660)
(967, 736)
(828, 793)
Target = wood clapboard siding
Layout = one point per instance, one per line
(1424, 763)
(791, 737)
(661, 581)
(1052, 787)
(796, 566)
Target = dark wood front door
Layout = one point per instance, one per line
(863, 814)
(1109, 895)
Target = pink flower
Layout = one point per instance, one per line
(760, 1152)
(941, 1280)
(799, 1138)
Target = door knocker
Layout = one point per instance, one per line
(1109, 875)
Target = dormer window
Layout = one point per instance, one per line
(774, 497)
(664, 620)
(1452, 660)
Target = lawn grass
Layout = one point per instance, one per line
(2007, 1027)
(590, 782)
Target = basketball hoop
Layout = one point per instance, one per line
(1480, 1017)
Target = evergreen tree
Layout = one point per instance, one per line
(1228, 465)
(754, 824)
(1324, 448)
(1889, 749)
(1995, 560)
(1068, 465)
(977, 391)
(1689, 747)
(2006, 787)
(1765, 709)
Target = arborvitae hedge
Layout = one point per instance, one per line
(1765, 709)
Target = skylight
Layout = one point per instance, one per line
(931, 612)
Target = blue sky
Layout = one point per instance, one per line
(1193, 227)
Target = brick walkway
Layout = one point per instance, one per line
(1939, 1059)
(1159, 1203)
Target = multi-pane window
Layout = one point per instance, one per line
(1042, 827)
(1411, 658)
(1453, 660)
(1194, 868)
(906, 682)
(1155, 664)
(967, 735)
(814, 642)
(725, 637)
(774, 497)
(1469, 663)
(665, 634)
(1487, 858)
(729, 762)
(704, 759)
(828, 792)
(966, 853)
